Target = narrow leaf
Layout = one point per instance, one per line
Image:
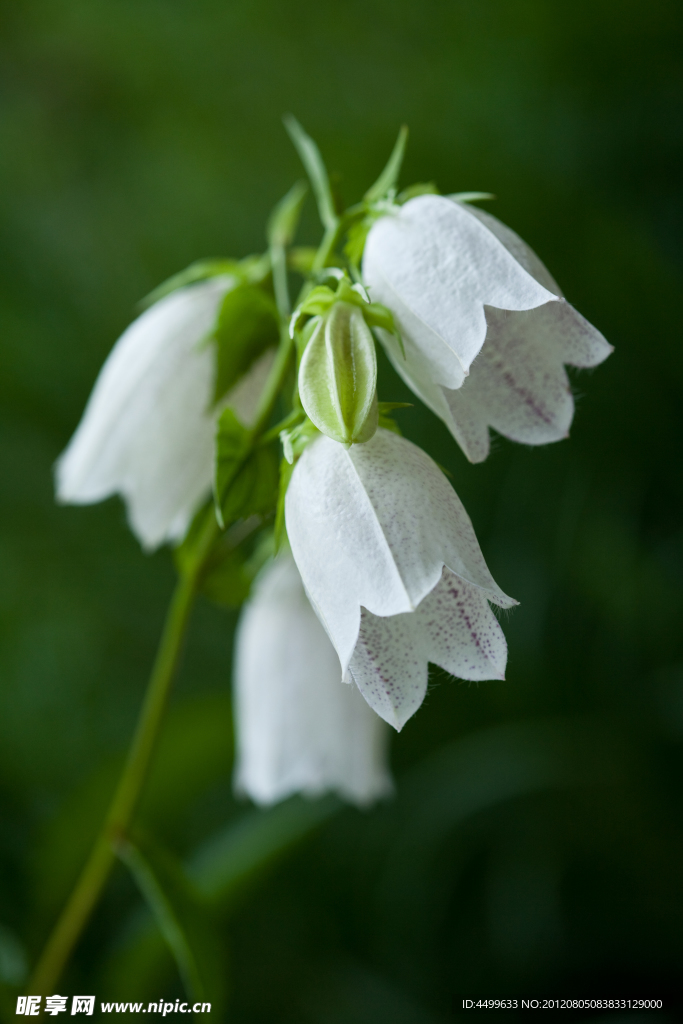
(232, 447)
(168, 916)
(181, 916)
(315, 168)
(253, 489)
(223, 864)
(389, 176)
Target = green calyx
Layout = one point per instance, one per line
(338, 371)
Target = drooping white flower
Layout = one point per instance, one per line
(392, 566)
(148, 429)
(299, 728)
(485, 328)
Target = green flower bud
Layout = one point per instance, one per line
(338, 375)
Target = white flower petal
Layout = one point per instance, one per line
(517, 247)
(453, 627)
(436, 266)
(517, 383)
(148, 430)
(299, 728)
(373, 526)
(577, 341)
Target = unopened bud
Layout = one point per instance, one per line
(338, 376)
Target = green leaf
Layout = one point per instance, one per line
(180, 917)
(316, 170)
(201, 270)
(233, 443)
(338, 376)
(219, 872)
(389, 176)
(254, 488)
(246, 326)
(245, 480)
(284, 219)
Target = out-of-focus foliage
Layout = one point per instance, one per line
(536, 841)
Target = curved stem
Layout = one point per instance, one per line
(99, 864)
(84, 896)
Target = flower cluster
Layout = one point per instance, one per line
(379, 571)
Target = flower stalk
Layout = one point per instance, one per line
(96, 871)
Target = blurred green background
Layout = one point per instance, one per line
(535, 844)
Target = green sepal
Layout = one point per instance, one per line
(389, 176)
(247, 325)
(387, 407)
(245, 481)
(303, 336)
(318, 301)
(377, 315)
(251, 269)
(387, 423)
(470, 197)
(284, 219)
(421, 188)
(280, 531)
(295, 440)
(356, 238)
(338, 376)
(316, 170)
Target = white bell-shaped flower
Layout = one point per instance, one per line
(148, 429)
(299, 728)
(392, 566)
(485, 328)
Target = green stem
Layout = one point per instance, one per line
(327, 246)
(278, 261)
(94, 875)
(273, 385)
(75, 915)
(98, 866)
